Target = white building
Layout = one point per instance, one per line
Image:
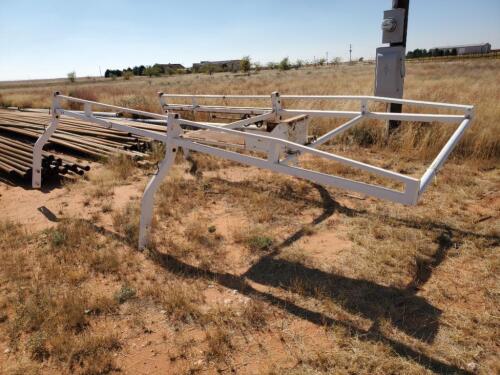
(466, 49)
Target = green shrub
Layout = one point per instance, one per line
(124, 294)
(260, 243)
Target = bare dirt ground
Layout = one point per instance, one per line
(251, 273)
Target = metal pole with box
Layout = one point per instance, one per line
(390, 61)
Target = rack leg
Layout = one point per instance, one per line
(147, 203)
(36, 177)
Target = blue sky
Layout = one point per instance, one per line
(46, 39)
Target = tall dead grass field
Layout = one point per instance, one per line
(464, 82)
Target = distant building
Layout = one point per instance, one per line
(467, 49)
(224, 65)
(171, 67)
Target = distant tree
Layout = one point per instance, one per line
(257, 66)
(361, 59)
(337, 60)
(127, 74)
(454, 52)
(112, 73)
(209, 68)
(322, 61)
(72, 76)
(271, 65)
(138, 70)
(245, 64)
(159, 68)
(152, 71)
(284, 64)
(435, 52)
(169, 71)
(298, 64)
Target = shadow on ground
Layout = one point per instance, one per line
(407, 311)
(49, 182)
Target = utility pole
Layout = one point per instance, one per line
(394, 107)
(350, 53)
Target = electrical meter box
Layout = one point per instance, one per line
(390, 72)
(393, 26)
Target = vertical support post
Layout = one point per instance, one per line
(147, 203)
(273, 152)
(163, 102)
(363, 106)
(87, 109)
(276, 104)
(36, 168)
(392, 125)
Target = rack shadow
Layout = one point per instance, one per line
(407, 311)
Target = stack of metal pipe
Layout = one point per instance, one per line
(19, 130)
(78, 136)
(16, 159)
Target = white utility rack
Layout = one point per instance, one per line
(281, 134)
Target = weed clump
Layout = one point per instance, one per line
(259, 243)
(126, 222)
(124, 294)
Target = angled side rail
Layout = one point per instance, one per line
(277, 150)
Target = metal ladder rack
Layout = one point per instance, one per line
(282, 145)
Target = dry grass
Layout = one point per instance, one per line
(455, 82)
(49, 307)
(253, 272)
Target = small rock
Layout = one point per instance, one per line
(163, 312)
(7, 351)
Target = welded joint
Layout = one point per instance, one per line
(469, 112)
(412, 191)
(364, 106)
